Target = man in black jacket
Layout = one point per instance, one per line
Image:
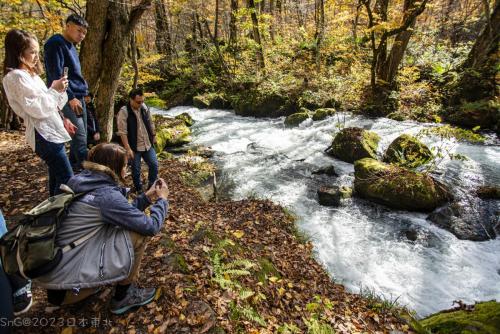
(137, 133)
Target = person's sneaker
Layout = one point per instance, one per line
(22, 300)
(135, 297)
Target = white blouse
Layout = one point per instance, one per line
(37, 105)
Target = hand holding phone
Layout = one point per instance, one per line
(65, 71)
(161, 188)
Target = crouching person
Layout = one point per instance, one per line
(117, 234)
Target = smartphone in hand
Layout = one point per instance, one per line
(65, 71)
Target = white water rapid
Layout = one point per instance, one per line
(360, 243)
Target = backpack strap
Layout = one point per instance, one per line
(80, 241)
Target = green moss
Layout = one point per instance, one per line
(170, 132)
(211, 100)
(201, 101)
(263, 102)
(396, 116)
(188, 120)
(407, 151)
(352, 144)
(296, 119)
(397, 187)
(156, 102)
(267, 269)
(484, 319)
(322, 113)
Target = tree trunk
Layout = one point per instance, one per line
(8, 119)
(133, 58)
(216, 23)
(163, 39)
(320, 30)
(487, 40)
(271, 28)
(105, 50)
(388, 67)
(478, 84)
(256, 33)
(385, 65)
(233, 32)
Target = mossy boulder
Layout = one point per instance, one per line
(322, 113)
(259, 103)
(488, 192)
(483, 113)
(407, 151)
(211, 100)
(332, 196)
(397, 187)
(188, 120)
(201, 101)
(484, 319)
(396, 116)
(296, 119)
(352, 144)
(170, 132)
(156, 102)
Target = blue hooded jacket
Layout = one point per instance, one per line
(105, 215)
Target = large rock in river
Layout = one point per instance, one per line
(296, 119)
(397, 187)
(322, 113)
(170, 132)
(471, 219)
(211, 100)
(332, 196)
(352, 144)
(407, 151)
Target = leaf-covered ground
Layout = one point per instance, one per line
(227, 267)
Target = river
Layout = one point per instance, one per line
(361, 244)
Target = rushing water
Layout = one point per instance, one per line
(360, 243)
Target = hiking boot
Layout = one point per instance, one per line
(135, 297)
(22, 299)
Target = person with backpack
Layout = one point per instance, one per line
(137, 133)
(37, 105)
(60, 53)
(116, 233)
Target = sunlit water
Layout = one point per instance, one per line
(360, 243)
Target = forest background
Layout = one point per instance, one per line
(425, 60)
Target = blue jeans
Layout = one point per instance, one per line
(150, 159)
(56, 159)
(78, 145)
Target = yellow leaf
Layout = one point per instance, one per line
(273, 279)
(238, 234)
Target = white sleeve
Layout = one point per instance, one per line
(61, 98)
(33, 102)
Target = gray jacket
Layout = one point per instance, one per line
(107, 257)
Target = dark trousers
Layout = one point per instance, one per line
(56, 159)
(78, 146)
(149, 157)
(6, 310)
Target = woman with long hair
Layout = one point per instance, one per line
(37, 105)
